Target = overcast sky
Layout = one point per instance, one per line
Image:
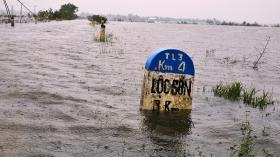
(262, 11)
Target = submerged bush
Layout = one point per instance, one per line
(97, 19)
(236, 91)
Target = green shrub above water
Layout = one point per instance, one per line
(236, 91)
(97, 19)
(230, 91)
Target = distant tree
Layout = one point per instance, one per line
(255, 24)
(276, 25)
(244, 23)
(51, 14)
(210, 22)
(42, 15)
(68, 12)
(56, 15)
(97, 19)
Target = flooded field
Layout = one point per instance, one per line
(62, 93)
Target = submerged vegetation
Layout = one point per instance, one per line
(108, 38)
(246, 148)
(236, 91)
(261, 101)
(257, 59)
(230, 91)
(247, 145)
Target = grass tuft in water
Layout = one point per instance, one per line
(246, 146)
(219, 90)
(236, 91)
(229, 91)
(108, 38)
(249, 95)
(263, 100)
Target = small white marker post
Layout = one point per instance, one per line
(168, 81)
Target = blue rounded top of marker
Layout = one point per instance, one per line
(170, 60)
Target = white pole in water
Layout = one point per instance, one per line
(20, 13)
(35, 14)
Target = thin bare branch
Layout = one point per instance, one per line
(262, 52)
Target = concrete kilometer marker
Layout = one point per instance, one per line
(168, 81)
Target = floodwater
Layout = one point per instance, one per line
(64, 94)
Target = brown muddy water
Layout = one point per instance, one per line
(64, 94)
